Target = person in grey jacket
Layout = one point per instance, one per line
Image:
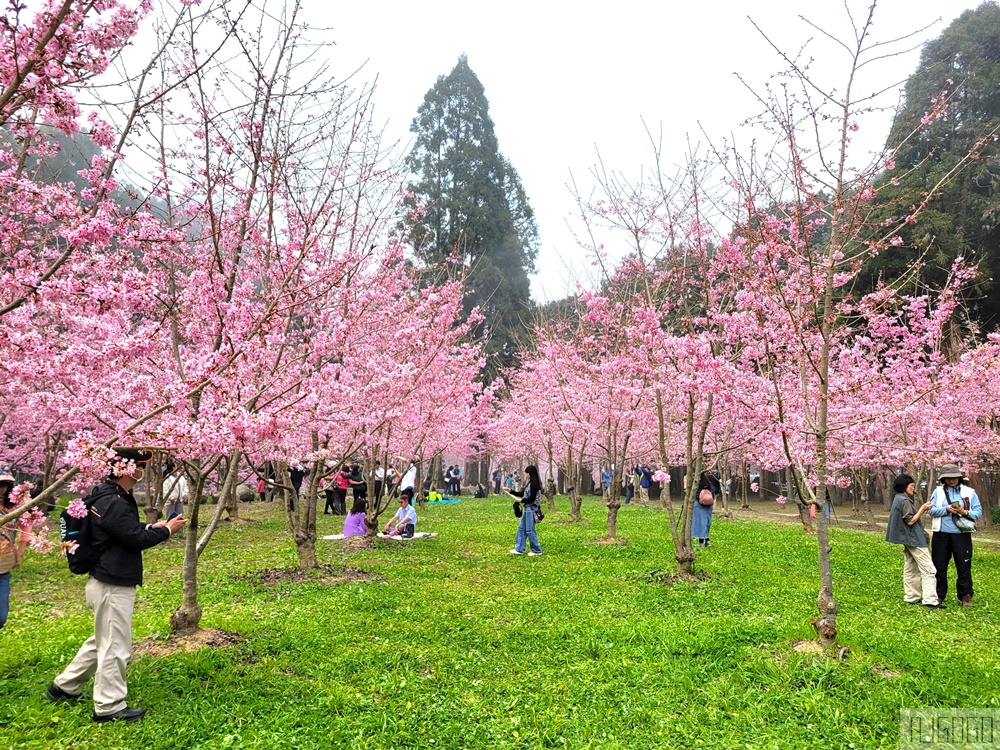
(905, 528)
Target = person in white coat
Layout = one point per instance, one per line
(175, 491)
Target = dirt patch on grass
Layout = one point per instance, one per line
(328, 575)
(807, 647)
(356, 543)
(604, 541)
(201, 638)
(840, 653)
(668, 578)
(885, 672)
(239, 521)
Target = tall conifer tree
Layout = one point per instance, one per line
(963, 220)
(472, 207)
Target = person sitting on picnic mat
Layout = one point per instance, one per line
(404, 523)
(354, 523)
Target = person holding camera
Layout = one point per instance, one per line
(529, 503)
(119, 537)
(955, 508)
(906, 528)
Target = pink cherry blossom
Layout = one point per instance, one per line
(77, 508)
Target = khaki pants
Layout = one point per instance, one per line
(105, 654)
(643, 495)
(919, 576)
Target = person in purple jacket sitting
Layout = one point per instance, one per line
(354, 524)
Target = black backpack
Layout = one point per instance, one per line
(74, 530)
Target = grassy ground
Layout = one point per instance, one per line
(456, 644)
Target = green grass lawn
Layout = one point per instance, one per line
(457, 644)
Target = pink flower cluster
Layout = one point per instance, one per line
(77, 508)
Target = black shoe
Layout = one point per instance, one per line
(55, 694)
(935, 606)
(126, 714)
(916, 602)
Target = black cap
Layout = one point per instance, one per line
(137, 455)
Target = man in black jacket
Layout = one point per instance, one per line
(116, 532)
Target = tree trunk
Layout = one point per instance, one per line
(418, 482)
(575, 483)
(866, 508)
(885, 487)
(614, 503)
(744, 485)
(550, 494)
(231, 503)
(187, 616)
(826, 623)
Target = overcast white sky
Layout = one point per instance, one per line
(566, 80)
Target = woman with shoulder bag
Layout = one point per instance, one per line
(955, 508)
(701, 521)
(530, 504)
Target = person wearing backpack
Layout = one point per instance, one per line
(118, 538)
(955, 508)
(12, 543)
(704, 503)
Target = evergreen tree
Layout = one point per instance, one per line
(468, 204)
(964, 218)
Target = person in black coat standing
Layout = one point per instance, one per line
(119, 537)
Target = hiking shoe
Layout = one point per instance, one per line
(935, 606)
(966, 600)
(539, 554)
(515, 552)
(126, 714)
(55, 694)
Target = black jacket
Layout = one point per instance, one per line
(115, 530)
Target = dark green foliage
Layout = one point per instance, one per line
(963, 220)
(474, 208)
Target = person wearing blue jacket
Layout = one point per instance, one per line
(953, 505)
